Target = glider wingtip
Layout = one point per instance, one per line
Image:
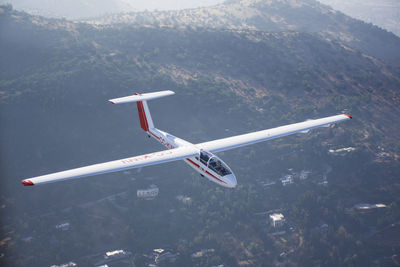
(350, 117)
(27, 183)
(112, 102)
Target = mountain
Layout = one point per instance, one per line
(385, 14)
(257, 66)
(74, 10)
(274, 16)
(70, 9)
(56, 77)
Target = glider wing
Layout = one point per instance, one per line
(264, 135)
(116, 165)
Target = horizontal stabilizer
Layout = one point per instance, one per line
(141, 97)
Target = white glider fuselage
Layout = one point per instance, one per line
(207, 164)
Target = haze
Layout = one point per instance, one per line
(77, 9)
(383, 13)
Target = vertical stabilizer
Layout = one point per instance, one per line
(146, 121)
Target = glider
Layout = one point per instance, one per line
(199, 156)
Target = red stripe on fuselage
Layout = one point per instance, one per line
(198, 166)
(215, 177)
(195, 164)
(155, 136)
(191, 161)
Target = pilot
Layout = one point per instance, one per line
(219, 168)
(204, 157)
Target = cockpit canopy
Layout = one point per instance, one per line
(214, 163)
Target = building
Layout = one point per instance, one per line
(160, 255)
(63, 226)
(277, 219)
(149, 193)
(267, 184)
(287, 179)
(341, 151)
(324, 180)
(69, 264)
(113, 258)
(114, 253)
(366, 206)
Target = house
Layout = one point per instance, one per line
(366, 206)
(287, 179)
(69, 264)
(277, 219)
(113, 258)
(341, 151)
(149, 193)
(114, 253)
(63, 226)
(160, 255)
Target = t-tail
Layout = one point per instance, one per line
(146, 122)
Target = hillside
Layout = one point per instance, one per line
(273, 16)
(255, 66)
(56, 77)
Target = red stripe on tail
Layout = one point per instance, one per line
(142, 116)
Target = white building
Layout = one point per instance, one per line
(277, 219)
(287, 179)
(114, 253)
(341, 151)
(366, 206)
(63, 226)
(69, 264)
(149, 193)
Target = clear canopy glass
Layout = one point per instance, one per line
(214, 163)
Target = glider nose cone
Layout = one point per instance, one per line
(231, 180)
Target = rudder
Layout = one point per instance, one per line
(146, 121)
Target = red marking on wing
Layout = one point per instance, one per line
(348, 116)
(144, 157)
(27, 183)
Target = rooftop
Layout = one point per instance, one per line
(277, 216)
(366, 206)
